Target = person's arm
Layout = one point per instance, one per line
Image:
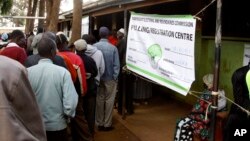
(22, 56)
(93, 68)
(116, 65)
(23, 102)
(29, 42)
(102, 64)
(69, 66)
(82, 77)
(34, 42)
(70, 97)
(239, 92)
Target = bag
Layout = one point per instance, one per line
(184, 130)
(222, 102)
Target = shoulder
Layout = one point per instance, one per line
(96, 44)
(16, 48)
(111, 45)
(34, 57)
(11, 66)
(240, 73)
(59, 58)
(89, 58)
(55, 68)
(99, 52)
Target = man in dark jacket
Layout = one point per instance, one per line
(237, 118)
(89, 100)
(126, 82)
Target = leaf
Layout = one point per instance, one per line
(5, 6)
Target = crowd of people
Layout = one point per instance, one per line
(52, 90)
(55, 90)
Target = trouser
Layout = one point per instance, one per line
(104, 103)
(89, 106)
(235, 126)
(126, 87)
(60, 135)
(79, 125)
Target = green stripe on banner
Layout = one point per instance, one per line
(248, 82)
(158, 77)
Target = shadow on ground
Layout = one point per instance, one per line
(120, 133)
(155, 121)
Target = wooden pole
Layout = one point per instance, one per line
(216, 69)
(124, 76)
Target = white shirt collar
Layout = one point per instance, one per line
(12, 44)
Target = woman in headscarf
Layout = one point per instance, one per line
(197, 123)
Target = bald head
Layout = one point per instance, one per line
(47, 48)
(50, 35)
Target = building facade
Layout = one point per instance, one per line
(115, 14)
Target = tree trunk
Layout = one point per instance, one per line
(33, 14)
(77, 21)
(41, 13)
(48, 5)
(27, 25)
(53, 15)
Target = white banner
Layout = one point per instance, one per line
(161, 48)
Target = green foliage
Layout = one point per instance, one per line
(5, 6)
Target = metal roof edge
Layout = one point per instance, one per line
(99, 6)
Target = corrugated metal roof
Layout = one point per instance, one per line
(99, 5)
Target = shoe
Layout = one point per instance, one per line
(108, 128)
(130, 113)
(101, 128)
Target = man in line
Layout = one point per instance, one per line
(34, 59)
(126, 81)
(36, 39)
(79, 125)
(20, 117)
(14, 48)
(108, 83)
(55, 91)
(89, 100)
(95, 54)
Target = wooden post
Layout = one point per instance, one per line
(124, 91)
(216, 69)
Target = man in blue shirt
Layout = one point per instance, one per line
(54, 90)
(108, 83)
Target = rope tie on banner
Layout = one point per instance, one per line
(203, 9)
(215, 93)
(210, 104)
(243, 109)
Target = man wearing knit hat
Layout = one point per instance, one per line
(89, 100)
(108, 82)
